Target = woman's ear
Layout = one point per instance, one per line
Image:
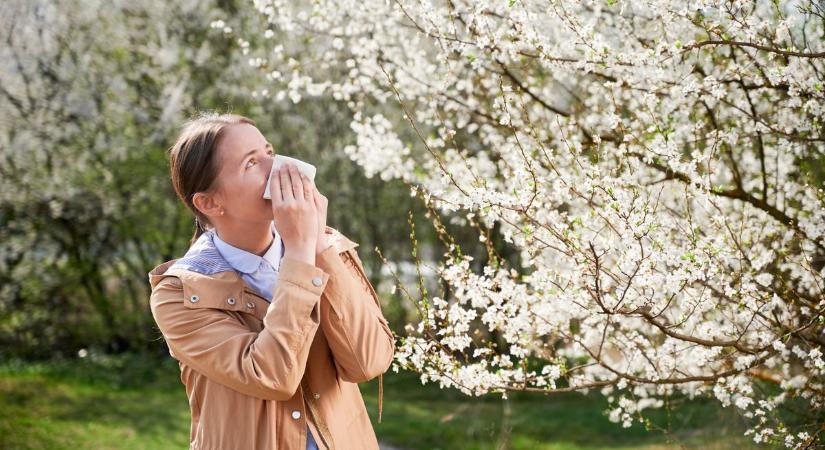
(206, 204)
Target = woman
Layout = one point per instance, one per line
(269, 313)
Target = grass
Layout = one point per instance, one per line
(427, 417)
(137, 402)
(97, 403)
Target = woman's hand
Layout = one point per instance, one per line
(296, 214)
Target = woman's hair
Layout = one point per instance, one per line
(193, 161)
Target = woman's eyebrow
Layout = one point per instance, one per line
(268, 145)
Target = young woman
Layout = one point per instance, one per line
(268, 313)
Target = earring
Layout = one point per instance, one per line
(221, 212)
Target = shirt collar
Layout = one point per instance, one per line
(246, 262)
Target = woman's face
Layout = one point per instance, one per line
(244, 159)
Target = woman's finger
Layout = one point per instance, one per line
(286, 185)
(275, 187)
(308, 190)
(297, 185)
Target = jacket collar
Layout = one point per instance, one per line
(213, 290)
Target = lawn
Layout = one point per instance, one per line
(137, 402)
(427, 417)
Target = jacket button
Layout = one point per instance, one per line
(230, 300)
(250, 305)
(296, 414)
(317, 395)
(194, 298)
(317, 281)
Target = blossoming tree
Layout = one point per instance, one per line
(657, 165)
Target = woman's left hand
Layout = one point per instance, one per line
(321, 204)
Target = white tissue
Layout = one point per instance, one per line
(304, 167)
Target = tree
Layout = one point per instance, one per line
(656, 166)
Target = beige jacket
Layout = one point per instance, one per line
(256, 373)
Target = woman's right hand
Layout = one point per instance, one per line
(295, 213)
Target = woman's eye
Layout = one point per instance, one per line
(247, 164)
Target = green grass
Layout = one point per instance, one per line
(426, 417)
(107, 403)
(134, 402)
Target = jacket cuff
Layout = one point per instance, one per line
(303, 274)
(330, 260)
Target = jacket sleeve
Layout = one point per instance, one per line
(359, 337)
(268, 364)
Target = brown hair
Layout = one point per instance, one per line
(193, 162)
